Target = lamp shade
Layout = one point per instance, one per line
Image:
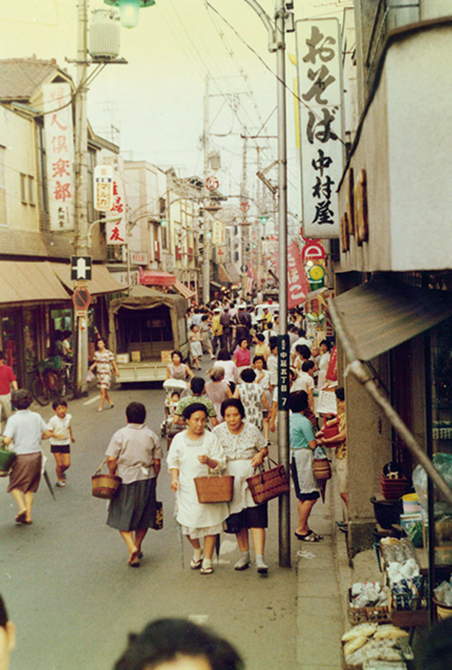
(129, 10)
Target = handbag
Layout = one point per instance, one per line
(214, 488)
(7, 459)
(268, 484)
(158, 523)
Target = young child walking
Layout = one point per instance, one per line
(195, 346)
(60, 439)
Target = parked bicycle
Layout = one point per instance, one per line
(49, 380)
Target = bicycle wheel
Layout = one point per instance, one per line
(39, 391)
(56, 383)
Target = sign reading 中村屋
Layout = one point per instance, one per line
(116, 230)
(320, 106)
(103, 188)
(60, 154)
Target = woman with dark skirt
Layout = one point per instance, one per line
(245, 449)
(302, 444)
(25, 429)
(134, 454)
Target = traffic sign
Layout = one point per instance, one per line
(81, 299)
(312, 250)
(244, 206)
(212, 183)
(243, 269)
(81, 268)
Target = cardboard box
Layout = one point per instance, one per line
(135, 356)
(122, 358)
(165, 356)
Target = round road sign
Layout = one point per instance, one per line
(212, 183)
(243, 269)
(81, 299)
(244, 206)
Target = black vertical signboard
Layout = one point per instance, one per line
(283, 371)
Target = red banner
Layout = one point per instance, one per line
(298, 285)
(331, 373)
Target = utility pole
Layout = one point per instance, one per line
(207, 222)
(81, 180)
(283, 415)
(245, 239)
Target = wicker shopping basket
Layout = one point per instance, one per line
(268, 484)
(105, 486)
(214, 488)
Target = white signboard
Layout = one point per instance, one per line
(116, 232)
(60, 155)
(320, 92)
(218, 233)
(103, 188)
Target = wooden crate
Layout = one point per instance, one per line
(377, 614)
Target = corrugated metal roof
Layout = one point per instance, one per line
(20, 77)
(383, 313)
(21, 282)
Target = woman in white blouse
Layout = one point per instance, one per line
(196, 453)
(245, 449)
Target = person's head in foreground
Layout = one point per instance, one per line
(177, 644)
(8, 637)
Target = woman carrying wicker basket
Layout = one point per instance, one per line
(245, 448)
(197, 453)
(134, 454)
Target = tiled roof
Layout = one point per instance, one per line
(20, 77)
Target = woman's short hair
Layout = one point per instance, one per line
(223, 355)
(233, 402)
(165, 640)
(340, 393)
(197, 385)
(136, 412)
(3, 613)
(303, 350)
(248, 375)
(178, 353)
(260, 358)
(243, 339)
(326, 343)
(260, 337)
(194, 407)
(298, 401)
(216, 374)
(307, 365)
(22, 399)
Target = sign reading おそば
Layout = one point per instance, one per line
(320, 106)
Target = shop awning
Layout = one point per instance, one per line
(102, 280)
(184, 290)
(22, 282)
(383, 313)
(156, 278)
(232, 272)
(223, 275)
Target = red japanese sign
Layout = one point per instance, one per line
(116, 231)
(331, 373)
(298, 285)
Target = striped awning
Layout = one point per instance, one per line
(184, 290)
(156, 278)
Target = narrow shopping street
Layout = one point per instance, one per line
(74, 599)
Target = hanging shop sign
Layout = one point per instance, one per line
(298, 285)
(218, 233)
(103, 188)
(312, 251)
(60, 154)
(116, 231)
(320, 110)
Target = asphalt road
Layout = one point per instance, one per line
(72, 595)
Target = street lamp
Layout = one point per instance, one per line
(129, 10)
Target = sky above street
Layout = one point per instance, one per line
(156, 101)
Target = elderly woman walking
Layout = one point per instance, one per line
(134, 454)
(25, 430)
(195, 453)
(245, 449)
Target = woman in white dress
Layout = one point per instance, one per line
(196, 453)
(245, 449)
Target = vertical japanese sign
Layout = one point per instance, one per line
(320, 92)
(298, 285)
(116, 232)
(103, 188)
(283, 371)
(60, 155)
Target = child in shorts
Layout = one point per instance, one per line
(60, 438)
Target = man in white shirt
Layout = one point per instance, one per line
(305, 382)
(301, 340)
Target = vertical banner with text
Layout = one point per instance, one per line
(116, 232)
(60, 154)
(320, 93)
